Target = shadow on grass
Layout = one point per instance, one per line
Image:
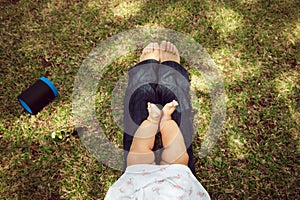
(29, 171)
(260, 116)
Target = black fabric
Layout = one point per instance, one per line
(150, 81)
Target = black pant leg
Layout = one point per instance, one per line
(174, 85)
(140, 91)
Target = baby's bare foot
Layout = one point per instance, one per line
(151, 51)
(154, 113)
(169, 52)
(168, 110)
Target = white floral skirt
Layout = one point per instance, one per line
(144, 181)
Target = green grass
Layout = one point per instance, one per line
(255, 44)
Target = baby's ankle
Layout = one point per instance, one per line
(153, 120)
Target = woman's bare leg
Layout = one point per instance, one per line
(143, 141)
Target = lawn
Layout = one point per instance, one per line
(254, 43)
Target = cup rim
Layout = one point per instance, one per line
(50, 84)
(25, 106)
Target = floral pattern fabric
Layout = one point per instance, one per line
(143, 181)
